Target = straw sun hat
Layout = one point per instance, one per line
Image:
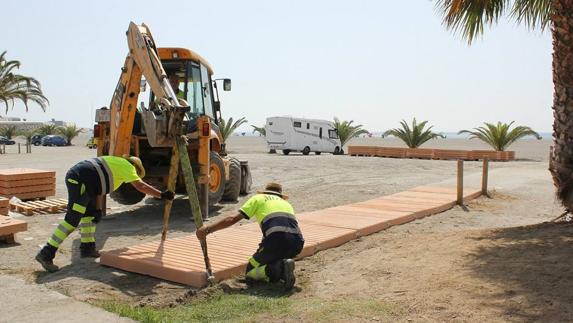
(274, 189)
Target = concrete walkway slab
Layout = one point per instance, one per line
(22, 302)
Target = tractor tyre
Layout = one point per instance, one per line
(216, 178)
(233, 185)
(126, 194)
(246, 179)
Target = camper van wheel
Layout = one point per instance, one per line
(286, 152)
(272, 151)
(306, 150)
(337, 151)
(317, 152)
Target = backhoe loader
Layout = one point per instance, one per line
(184, 100)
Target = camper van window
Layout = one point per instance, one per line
(307, 125)
(332, 134)
(270, 123)
(297, 124)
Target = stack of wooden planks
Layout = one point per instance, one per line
(4, 206)
(425, 153)
(27, 183)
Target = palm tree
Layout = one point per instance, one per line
(27, 134)
(227, 128)
(47, 129)
(499, 137)
(70, 132)
(347, 131)
(261, 130)
(8, 132)
(416, 136)
(18, 87)
(469, 18)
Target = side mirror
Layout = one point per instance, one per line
(227, 85)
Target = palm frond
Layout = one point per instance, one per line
(70, 132)
(18, 87)
(414, 136)
(468, 17)
(261, 130)
(228, 127)
(347, 131)
(499, 136)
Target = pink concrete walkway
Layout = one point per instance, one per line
(180, 259)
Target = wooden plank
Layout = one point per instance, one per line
(27, 182)
(31, 195)
(17, 174)
(26, 189)
(10, 225)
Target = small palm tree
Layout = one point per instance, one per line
(347, 131)
(227, 128)
(47, 129)
(18, 87)
(261, 130)
(70, 132)
(8, 132)
(415, 136)
(498, 136)
(27, 134)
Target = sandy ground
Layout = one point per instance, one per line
(479, 264)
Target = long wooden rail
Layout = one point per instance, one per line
(425, 153)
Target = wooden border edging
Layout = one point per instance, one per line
(426, 153)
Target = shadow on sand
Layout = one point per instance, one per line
(534, 268)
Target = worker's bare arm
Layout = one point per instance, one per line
(146, 189)
(218, 225)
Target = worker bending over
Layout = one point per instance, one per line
(85, 181)
(282, 238)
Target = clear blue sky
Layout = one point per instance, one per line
(375, 62)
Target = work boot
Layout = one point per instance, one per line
(288, 274)
(88, 250)
(46, 260)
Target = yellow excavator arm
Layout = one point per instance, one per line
(142, 60)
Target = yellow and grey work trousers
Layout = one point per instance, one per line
(81, 212)
(266, 263)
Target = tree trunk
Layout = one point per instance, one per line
(561, 155)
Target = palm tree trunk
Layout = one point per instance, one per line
(561, 156)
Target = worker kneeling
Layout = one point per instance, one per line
(282, 238)
(85, 181)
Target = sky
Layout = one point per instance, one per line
(374, 62)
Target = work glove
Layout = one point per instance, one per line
(167, 195)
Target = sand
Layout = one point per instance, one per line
(455, 266)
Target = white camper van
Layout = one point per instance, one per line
(305, 135)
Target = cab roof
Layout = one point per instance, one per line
(167, 53)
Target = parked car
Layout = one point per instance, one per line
(54, 140)
(6, 141)
(36, 140)
(91, 144)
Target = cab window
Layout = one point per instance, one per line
(332, 134)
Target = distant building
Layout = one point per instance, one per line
(26, 125)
